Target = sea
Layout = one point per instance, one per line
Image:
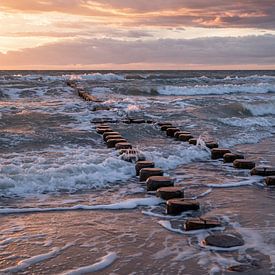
(70, 205)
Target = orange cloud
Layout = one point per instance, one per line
(127, 32)
(215, 13)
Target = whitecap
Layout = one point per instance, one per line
(216, 89)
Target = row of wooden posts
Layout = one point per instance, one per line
(237, 159)
(155, 180)
(164, 186)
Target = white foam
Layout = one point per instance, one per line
(216, 89)
(236, 79)
(214, 270)
(177, 155)
(245, 138)
(167, 225)
(103, 263)
(266, 78)
(21, 265)
(203, 194)
(127, 204)
(248, 182)
(166, 216)
(95, 77)
(220, 249)
(10, 240)
(79, 77)
(58, 169)
(200, 232)
(12, 228)
(257, 239)
(249, 122)
(261, 109)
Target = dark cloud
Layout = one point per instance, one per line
(202, 51)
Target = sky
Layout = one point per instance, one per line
(137, 34)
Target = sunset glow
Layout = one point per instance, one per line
(124, 34)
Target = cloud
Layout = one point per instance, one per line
(202, 51)
(81, 7)
(202, 13)
(87, 33)
(94, 32)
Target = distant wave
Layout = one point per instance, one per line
(112, 76)
(216, 89)
(256, 77)
(203, 79)
(75, 76)
(95, 77)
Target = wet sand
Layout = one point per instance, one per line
(141, 244)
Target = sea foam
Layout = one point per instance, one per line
(261, 109)
(104, 262)
(68, 169)
(21, 265)
(127, 204)
(249, 122)
(216, 89)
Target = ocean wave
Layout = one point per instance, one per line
(183, 75)
(234, 79)
(76, 76)
(187, 76)
(73, 169)
(216, 89)
(244, 138)
(251, 77)
(95, 77)
(261, 109)
(249, 122)
(69, 169)
(176, 155)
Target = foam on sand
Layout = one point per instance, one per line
(103, 263)
(200, 232)
(127, 204)
(21, 265)
(247, 182)
(167, 225)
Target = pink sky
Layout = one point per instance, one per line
(128, 34)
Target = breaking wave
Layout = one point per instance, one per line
(261, 109)
(216, 89)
